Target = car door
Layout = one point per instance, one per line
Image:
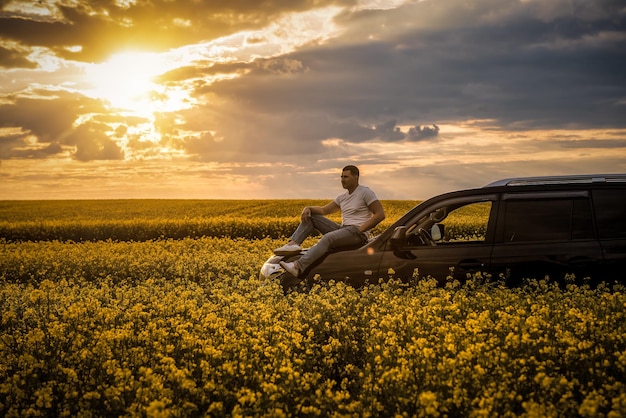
(463, 229)
(541, 234)
(356, 267)
(610, 212)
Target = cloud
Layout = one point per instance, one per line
(201, 145)
(46, 114)
(22, 145)
(47, 124)
(384, 87)
(423, 132)
(102, 28)
(281, 66)
(92, 143)
(521, 65)
(11, 58)
(389, 131)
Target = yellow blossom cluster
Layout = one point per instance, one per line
(140, 220)
(184, 328)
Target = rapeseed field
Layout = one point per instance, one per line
(170, 326)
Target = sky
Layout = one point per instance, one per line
(270, 99)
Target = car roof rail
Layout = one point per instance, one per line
(568, 179)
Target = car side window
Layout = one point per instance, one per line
(467, 223)
(610, 210)
(548, 220)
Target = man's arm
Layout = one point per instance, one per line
(378, 214)
(330, 207)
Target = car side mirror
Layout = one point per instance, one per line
(398, 241)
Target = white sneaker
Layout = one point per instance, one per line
(288, 249)
(290, 268)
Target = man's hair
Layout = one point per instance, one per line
(352, 168)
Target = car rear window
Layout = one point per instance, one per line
(548, 220)
(610, 210)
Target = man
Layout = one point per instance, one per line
(360, 210)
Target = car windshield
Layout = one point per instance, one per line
(465, 222)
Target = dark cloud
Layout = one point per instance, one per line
(521, 65)
(389, 132)
(594, 143)
(201, 145)
(8, 143)
(50, 150)
(47, 120)
(92, 143)
(281, 66)
(423, 132)
(11, 58)
(46, 114)
(506, 65)
(20, 146)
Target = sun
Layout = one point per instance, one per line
(127, 82)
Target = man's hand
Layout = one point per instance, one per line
(378, 214)
(329, 208)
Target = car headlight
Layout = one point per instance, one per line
(269, 270)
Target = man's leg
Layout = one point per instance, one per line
(314, 223)
(305, 229)
(342, 237)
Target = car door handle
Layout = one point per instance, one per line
(471, 264)
(582, 261)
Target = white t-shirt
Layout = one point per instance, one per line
(354, 207)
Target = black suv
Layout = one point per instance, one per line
(513, 228)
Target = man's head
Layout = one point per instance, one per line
(350, 178)
(352, 169)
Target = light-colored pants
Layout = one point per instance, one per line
(333, 236)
